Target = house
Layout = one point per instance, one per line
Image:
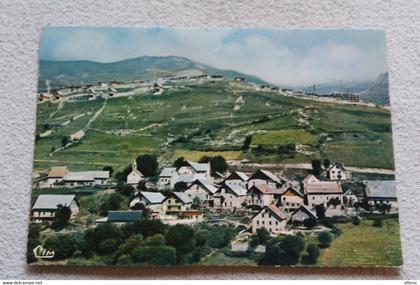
(85, 178)
(135, 176)
(77, 135)
(265, 177)
(322, 192)
(152, 200)
(349, 198)
(237, 178)
(191, 168)
(54, 177)
(309, 178)
(167, 178)
(381, 192)
(302, 213)
(336, 172)
(230, 196)
(271, 218)
(122, 217)
(217, 177)
(46, 206)
(291, 199)
(262, 195)
(176, 202)
(203, 190)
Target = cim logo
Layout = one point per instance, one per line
(41, 252)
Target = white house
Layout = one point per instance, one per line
(230, 196)
(191, 168)
(291, 199)
(203, 190)
(381, 192)
(167, 178)
(176, 202)
(322, 192)
(302, 213)
(54, 177)
(271, 218)
(135, 176)
(237, 178)
(336, 172)
(152, 200)
(85, 178)
(265, 177)
(46, 206)
(262, 195)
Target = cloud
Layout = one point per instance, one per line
(293, 58)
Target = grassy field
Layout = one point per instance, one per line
(219, 259)
(365, 245)
(212, 119)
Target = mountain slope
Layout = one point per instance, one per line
(63, 73)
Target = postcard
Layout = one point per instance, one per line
(213, 147)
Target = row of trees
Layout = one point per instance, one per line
(143, 242)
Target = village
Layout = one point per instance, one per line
(191, 193)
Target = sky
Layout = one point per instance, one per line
(282, 57)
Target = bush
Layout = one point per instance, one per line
(155, 255)
(309, 223)
(312, 255)
(112, 203)
(94, 237)
(144, 227)
(124, 260)
(263, 235)
(378, 222)
(320, 211)
(108, 246)
(219, 237)
(125, 189)
(324, 239)
(62, 245)
(287, 252)
(181, 237)
(61, 218)
(147, 164)
(129, 246)
(356, 221)
(156, 240)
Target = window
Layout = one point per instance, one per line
(277, 223)
(313, 198)
(262, 215)
(284, 198)
(258, 222)
(269, 222)
(269, 215)
(262, 222)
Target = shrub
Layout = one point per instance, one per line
(309, 223)
(312, 255)
(129, 246)
(155, 255)
(356, 221)
(125, 189)
(124, 260)
(108, 246)
(181, 237)
(263, 235)
(378, 222)
(61, 218)
(219, 237)
(320, 211)
(144, 227)
(287, 252)
(324, 239)
(62, 245)
(156, 240)
(94, 237)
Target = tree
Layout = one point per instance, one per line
(181, 237)
(33, 241)
(147, 164)
(292, 247)
(309, 223)
(158, 239)
(320, 211)
(108, 168)
(146, 212)
(125, 189)
(204, 159)
(111, 203)
(108, 246)
(247, 142)
(219, 164)
(378, 222)
(356, 221)
(128, 246)
(155, 255)
(61, 218)
(94, 237)
(65, 140)
(219, 237)
(312, 255)
(179, 162)
(263, 235)
(141, 186)
(316, 167)
(326, 163)
(144, 227)
(273, 255)
(122, 176)
(180, 186)
(324, 239)
(62, 245)
(196, 203)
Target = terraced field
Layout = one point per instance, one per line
(214, 118)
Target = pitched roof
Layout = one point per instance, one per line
(267, 174)
(167, 171)
(86, 175)
(380, 189)
(306, 210)
(199, 167)
(57, 171)
(152, 197)
(308, 177)
(238, 174)
(238, 190)
(181, 196)
(277, 212)
(293, 189)
(51, 202)
(266, 189)
(336, 164)
(124, 216)
(323, 187)
(206, 184)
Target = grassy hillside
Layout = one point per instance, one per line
(214, 118)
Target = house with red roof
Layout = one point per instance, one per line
(271, 218)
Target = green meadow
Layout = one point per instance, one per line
(212, 119)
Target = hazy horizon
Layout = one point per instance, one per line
(282, 57)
